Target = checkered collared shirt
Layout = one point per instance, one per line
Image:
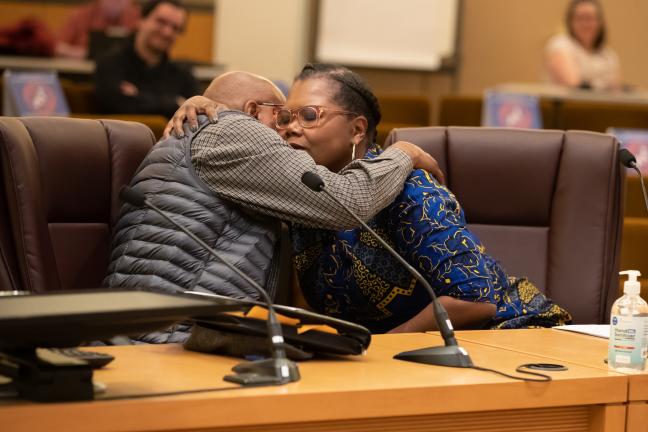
(243, 161)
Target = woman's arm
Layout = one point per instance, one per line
(429, 231)
(562, 68)
(463, 315)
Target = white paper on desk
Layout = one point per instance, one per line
(598, 330)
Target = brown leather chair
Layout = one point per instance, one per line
(9, 273)
(546, 204)
(62, 179)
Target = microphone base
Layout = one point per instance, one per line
(451, 356)
(264, 372)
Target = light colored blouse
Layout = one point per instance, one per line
(598, 68)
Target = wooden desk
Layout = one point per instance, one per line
(204, 73)
(569, 347)
(368, 393)
(556, 92)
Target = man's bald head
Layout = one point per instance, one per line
(247, 92)
(236, 88)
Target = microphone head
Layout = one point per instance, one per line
(627, 159)
(131, 196)
(313, 181)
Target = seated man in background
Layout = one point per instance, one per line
(140, 78)
(97, 15)
(208, 180)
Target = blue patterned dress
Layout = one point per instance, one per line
(348, 275)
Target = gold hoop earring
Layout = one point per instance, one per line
(353, 151)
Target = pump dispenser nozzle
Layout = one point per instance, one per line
(632, 285)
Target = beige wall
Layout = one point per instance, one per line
(629, 37)
(270, 38)
(503, 39)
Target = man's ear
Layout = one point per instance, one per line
(359, 129)
(251, 108)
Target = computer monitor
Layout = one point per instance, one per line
(69, 318)
(103, 42)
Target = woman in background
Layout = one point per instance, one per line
(581, 58)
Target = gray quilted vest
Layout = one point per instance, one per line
(149, 252)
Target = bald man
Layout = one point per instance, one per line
(247, 92)
(230, 183)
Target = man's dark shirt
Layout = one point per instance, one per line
(159, 86)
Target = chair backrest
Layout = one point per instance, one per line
(546, 204)
(62, 179)
(9, 272)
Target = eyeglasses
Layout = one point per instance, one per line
(307, 116)
(273, 105)
(270, 104)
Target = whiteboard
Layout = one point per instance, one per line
(401, 34)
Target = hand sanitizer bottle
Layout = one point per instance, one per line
(629, 328)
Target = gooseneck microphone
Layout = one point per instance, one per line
(628, 160)
(449, 355)
(276, 370)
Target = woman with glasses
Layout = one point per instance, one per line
(580, 58)
(332, 114)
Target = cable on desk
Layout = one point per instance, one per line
(519, 369)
